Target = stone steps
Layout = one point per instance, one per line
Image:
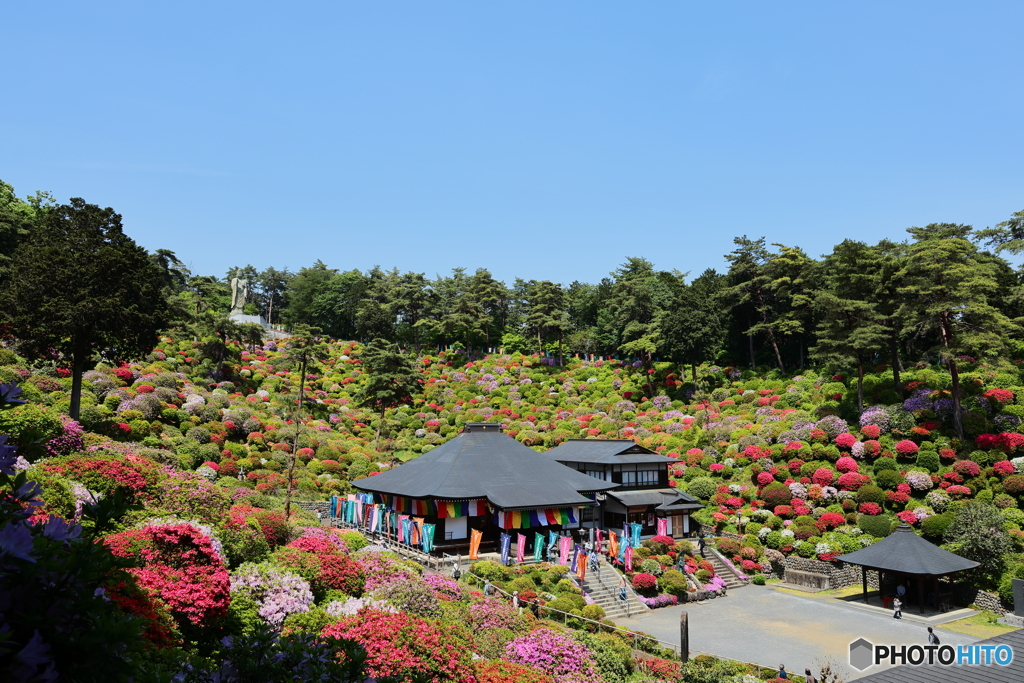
(731, 581)
(603, 589)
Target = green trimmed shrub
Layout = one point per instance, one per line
(878, 526)
(702, 487)
(929, 460)
(869, 493)
(934, 527)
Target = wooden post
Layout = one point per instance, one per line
(864, 579)
(684, 638)
(920, 591)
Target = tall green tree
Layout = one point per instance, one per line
(694, 326)
(850, 326)
(793, 282)
(413, 305)
(546, 313)
(752, 288)
(271, 287)
(946, 292)
(82, 286)
(1006, 236)
(391, 379)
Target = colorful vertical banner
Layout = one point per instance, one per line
(506, 544)
(662, 526)
(552, 538)
(428, 537)
(574, 565)
(564, 546)
(581, 572)
(474, 543)
(629, 558)
(636, 535)
(598, 540)
(538, 547)
(613, 544)
(520, 548)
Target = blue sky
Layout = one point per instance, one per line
(545, 140)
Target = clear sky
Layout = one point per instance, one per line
(545, 140)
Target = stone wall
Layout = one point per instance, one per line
(323, 506)
(964, 595)
(840, 574)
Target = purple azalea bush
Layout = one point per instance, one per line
(277, 592)
(561, 657)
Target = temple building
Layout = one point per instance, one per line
(642, 495)
(484, 480)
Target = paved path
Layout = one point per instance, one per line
(764, 626)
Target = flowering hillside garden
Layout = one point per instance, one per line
(180, 478)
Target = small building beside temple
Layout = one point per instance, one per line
(487, 481)
(643, 495)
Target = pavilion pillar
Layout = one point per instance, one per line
(920, 592)
(864, 580)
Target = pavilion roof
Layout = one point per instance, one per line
(605, 452)
(482, 462)
(906, 552)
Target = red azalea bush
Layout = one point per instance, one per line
(870, 508)
(404, 646)
(764, 478)
(846, 440)
(324, 570)
(906, 447)
(852, 481)
(871, 431)
(966, 468)
(847, 464)
(823, 476)
(907, 517)
(1003, 468)
(106, 473)
(957, 491)
(1014, 484)
(830, 520)
(180, 567)
(644, 583)
(500, 671)
(273, 524)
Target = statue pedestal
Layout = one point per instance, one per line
(242, 318)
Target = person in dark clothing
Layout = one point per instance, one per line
(932, 638)
(809, 677)
(535, 608)
(701, 544)
(782, 672)
(897, 609)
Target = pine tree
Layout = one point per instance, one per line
(391, 379)
(82, 286)
(946, 291)
(850, 327)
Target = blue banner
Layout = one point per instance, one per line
(506, 544)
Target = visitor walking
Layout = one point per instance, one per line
(932, 638)
(701, 543)
(897, 608)
(782, 672)
(535, 608)
(808, 677)
(622, 587)
(595, 566)
(515, 602)
(487, 587)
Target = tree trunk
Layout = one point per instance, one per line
(778, 354)
(896, 367)
(77, 369)
(270, 310)
(801, 352)
(540, 344)
(693, 372)
(958, 420)
(380, 423)
(750, 338)
(860, 383)
(650, 363)
(561, 359)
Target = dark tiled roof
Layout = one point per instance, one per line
(484, 463)
(605, 452)
(991, 673)
(904, 551)
(667, 499)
